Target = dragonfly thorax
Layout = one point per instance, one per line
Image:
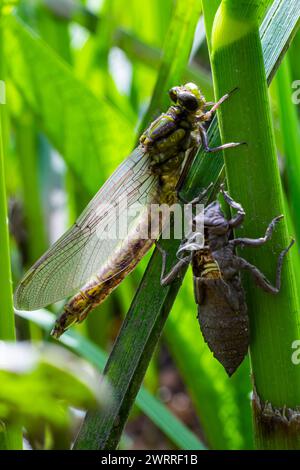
(168, 138)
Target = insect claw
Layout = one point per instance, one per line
(233, 91)
(223, 190)
(278, 218)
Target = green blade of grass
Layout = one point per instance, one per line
(252, 177)
(177, 432)
(284, 15)
(276, 32)
(294, 58)
(7, 325)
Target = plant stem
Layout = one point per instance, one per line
(254, 180)
(210, 8)
(12, 437)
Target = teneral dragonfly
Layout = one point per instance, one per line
(92, 265)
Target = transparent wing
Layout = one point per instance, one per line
(82, 250)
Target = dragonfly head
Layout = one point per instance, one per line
(187, 96)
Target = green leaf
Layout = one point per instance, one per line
(89, 133)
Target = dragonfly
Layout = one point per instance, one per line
(87, 266)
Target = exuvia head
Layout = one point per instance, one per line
(187, 96)
(214, 220)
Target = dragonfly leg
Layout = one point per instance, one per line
(238, 219)
(202, 195)
(216, 105)
(258, 241)
(209, 149)
(167, 279)
(84, 314)
(209, 103)
(259, 277)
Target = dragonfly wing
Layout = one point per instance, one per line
(79, 254)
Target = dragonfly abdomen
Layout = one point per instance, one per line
(121, 263)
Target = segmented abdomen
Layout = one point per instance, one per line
(222, 314)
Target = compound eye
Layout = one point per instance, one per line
(189, 101)
(173, 94)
